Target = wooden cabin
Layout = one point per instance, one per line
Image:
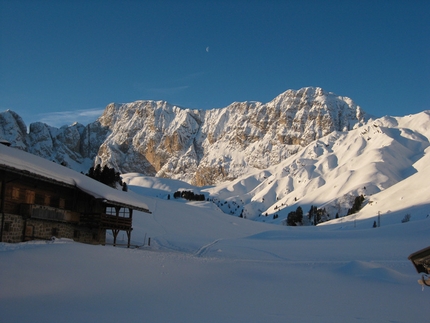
(41, 199)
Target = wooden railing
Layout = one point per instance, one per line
(94, 220)
(106, 221)
(115, 222)
(48, 213)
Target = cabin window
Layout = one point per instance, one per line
(54, 232)
(117, 211)
(15, 193)
(29, 197)
(110, 211)
(61, 203)
(47, 200)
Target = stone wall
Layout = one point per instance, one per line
(12, 228)
(18, 229)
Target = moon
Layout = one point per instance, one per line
(207, 49)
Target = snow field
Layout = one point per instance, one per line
(204, 265)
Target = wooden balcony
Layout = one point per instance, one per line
(106, 221)
(44, 212)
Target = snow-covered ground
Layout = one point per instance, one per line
(206, 266)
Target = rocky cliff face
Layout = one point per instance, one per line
(200, 147)
(255, 135)
(206, 147)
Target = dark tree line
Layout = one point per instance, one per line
(189, 195)
(105, 175)
(315, 215)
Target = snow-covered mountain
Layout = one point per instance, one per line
(384, 156)
(201, 147)
(304, 148)
(207, 147)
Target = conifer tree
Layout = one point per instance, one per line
(299, 214)
(291, 218)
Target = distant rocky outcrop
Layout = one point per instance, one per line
(202, 147)
(74, 146)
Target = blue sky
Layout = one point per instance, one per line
(64, 61)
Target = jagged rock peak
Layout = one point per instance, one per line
(206, 147)
(317, 98)
(13, 129)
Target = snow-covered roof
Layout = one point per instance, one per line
(19, 160)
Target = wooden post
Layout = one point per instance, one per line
(115, 234)
(130, 215)
(129, 238)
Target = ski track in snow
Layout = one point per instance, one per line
(203, 250)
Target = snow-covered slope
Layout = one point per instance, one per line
(411, 194)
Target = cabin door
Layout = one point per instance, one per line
(29, 233)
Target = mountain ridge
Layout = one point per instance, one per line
(202, 147)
